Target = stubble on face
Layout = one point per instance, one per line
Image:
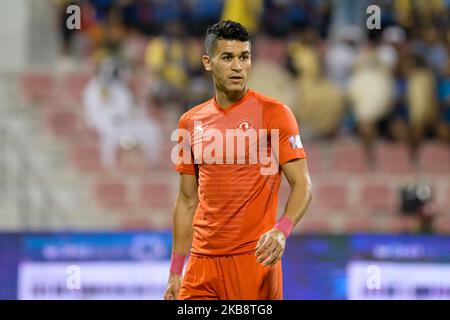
(230, 66)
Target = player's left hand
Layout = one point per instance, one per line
(270, 247)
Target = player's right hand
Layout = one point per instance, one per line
(173, 287)
(270, 247)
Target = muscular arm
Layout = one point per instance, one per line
(185, 206)
(183, 213)
(270, 247)
(297, 175)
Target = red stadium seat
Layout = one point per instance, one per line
(442, 225)
(37, 86)
(57, 104)
(393, 158)
(316, 163)
(313, 225)
(435, 157)
(448, 198)
(111, 195)
(446, 208)
(86, 158)
(333, 196)
(156, 195)
(378, 197)
(61, 122)
(88, 137)
(269, 49)
(284, 192)
(132, 161)
(441, 199)
(355, 224)
(350, 158)
(74, 85)
(165, 160)
(136, 223)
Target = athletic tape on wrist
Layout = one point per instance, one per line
(285, 225)
(177, 263)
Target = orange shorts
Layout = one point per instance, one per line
(235, 277)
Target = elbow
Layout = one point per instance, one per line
(191, 202)
(309, 193)
(303, 191)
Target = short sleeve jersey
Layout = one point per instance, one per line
(229, 151)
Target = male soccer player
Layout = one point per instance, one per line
(225, 212)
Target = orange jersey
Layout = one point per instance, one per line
(237, 203)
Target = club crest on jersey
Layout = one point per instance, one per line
(244, 125)
(295, 141)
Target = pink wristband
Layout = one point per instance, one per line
(285, 225)
(177, 263)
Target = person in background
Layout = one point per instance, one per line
(416, 115)
(112, 112)
(443, 127)
(245, 12)
(371, 94)
(165, 60)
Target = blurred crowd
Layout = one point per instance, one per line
(317, 56)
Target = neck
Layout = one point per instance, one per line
(227, 99)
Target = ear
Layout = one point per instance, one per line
(206, 62)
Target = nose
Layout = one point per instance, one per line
(236, 65)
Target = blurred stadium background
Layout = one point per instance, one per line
(374, 111)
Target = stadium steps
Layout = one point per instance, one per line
(127, 191)
(67, 202)
(435, 157)
(348, 194)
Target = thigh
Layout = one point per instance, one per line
(245, 279)
(200, 280)
(271, 283)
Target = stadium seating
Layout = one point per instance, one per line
(393, 158)
(111, 195)
(350, 158)
(61, 122)
(85, 158)
(378, 196)
(332, 196)
(348, 196)
(37, 87)
(435, 158)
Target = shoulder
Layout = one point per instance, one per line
(275, 113)
(271, 106)
(188, 114)
(267, 101)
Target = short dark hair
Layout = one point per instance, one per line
(227, 30)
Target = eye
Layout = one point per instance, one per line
(226, 58)
(246, 57)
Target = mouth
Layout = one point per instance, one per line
(236, 79)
